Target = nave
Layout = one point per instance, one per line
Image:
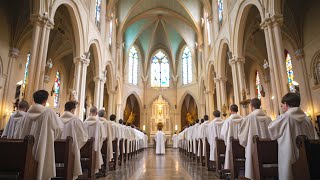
(172, 165)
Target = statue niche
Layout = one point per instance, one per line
(160, 114)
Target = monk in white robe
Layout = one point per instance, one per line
(109, 132)
(285, 129)
(203, 133)
(256, 123)
(160, 139)
(229, 129)
(96, 129)
(214, 130)
(75, 128)
(175, 140)
(44, 125)
(10, 128)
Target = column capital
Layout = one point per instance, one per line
(14, 52)
(232, 61)
(210, 18)
(240, 60)
(223, 79)
(270, 21)
(42, 20)
(82, 59)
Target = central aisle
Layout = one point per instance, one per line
(172, 165)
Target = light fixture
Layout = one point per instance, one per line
(47, 104)
(144, 127)
(272, 97)
(176, 127)
(20, 82)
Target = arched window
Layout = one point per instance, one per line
(57, 81)
(133, 66)
(290, 74)
(98, 12)
(317, 72)
(26, 74)
(258, 85)
(186, 66)
(220, 10)
(110, 32)
(160, 70)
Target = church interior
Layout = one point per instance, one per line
(160, 62)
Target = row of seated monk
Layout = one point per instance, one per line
(255, 147)
(37, 144)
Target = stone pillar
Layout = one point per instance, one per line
(276, 23)
(111, 102)
(6, 102)
(218, 92)
(96, 91)
(275, 89)
(232, 63)
(242, 83)
(102, 82)
(36, 21)
(223, 89)
(301, 58)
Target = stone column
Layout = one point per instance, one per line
(36, 21)
(218, 92)
(96, 91)
(232, 63)
(6, 102)
(301, 58)
(223, 89)
(111, 102)
(102, 82)
(276, 23)
(275, 89)
(242, 83)
(82, 91)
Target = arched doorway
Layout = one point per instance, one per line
(189, 111)
(131, 113)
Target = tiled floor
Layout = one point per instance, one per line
(172, 165)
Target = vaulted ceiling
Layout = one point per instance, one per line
(165, 24)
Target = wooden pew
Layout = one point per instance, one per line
(307, 166)
(220, 157)
(105, 156)
(113, 162)
(16, 159)
(64, 156)
(237, 158)
(88, 159)
(210, 164)
(265, 164)
(125, 150)
(121, 152)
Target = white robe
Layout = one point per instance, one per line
(202, 134)
(256, 123)
(75, 128)
(214, 130)
(12, 123)
(44, 125)
(285, 129)
(175, 141)
(230, 128)
(96, 129)
(160, 139)
(109, 133)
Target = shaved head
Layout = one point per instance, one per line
(93, 111)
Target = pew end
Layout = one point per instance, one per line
(265, 164)
(237, 158)
(306, 167)
(23, 166)
(88, 158)
(64, 158)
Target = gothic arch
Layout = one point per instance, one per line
(222, 55)
(77, 24)
(97, 56)
(240, 24)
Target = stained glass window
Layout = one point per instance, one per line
(290, 72)
(258, 85)
(133, 66)
(186, 66)
(160, 70)
(110, 32)
(220, 10)
(26, 74)
(57, 81)
(98, 12)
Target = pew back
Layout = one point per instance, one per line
(220, 153)
(237, 158)
(88, 157)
